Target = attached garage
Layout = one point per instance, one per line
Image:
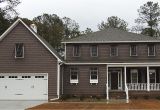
(23, 86)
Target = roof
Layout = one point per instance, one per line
(112, 35)
(43, 41)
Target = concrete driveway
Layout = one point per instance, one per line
(18, 105)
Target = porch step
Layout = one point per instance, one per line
(117, 95)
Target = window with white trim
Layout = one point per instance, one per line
(74, 75)
(76, 51)
(113, 50)
(133, 50)
(151, 50)
(152, 75)
(94, 75)
(134, 76)
(19, 50)
(94, 50)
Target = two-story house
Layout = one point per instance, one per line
(111, 60)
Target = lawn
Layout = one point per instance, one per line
(133, 104)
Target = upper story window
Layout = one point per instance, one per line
(73, 75)
(94, 75)
(133, 50)
(151, 50)
(113, 50)
(19, 50)
(94, 50)
(76, 51)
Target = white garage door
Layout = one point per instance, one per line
(23, 86)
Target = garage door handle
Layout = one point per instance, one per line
(18, 94)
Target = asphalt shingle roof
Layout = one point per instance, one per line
(111, 35)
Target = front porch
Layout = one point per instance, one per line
(132, 78)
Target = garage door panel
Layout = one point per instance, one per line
(24, 87)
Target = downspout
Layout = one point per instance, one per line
(59, 63)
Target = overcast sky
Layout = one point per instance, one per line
(87, 13)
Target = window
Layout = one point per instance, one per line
(94, 50)
(94, 75)
(39, 76)
(151, 50)
(113, 51)
(26, 76)
(13, 76)
(74, 75)
(76, 51)
(133, 50)
(134, 76)
(19, 50)
(152, 76)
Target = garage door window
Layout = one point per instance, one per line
(1, 76)
(19, 50)
(26, 76)
(39, 76)
(13, 76)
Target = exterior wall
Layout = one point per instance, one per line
(37, 59)
(104, 53)
(84, 87)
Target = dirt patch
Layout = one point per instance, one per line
(133, 104)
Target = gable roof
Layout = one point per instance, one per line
(40, 39)
(112, 35)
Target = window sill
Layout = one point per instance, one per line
(93, 81)
(73, 81)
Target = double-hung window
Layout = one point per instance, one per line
(94, 50)
(151, 50)
(94, 75)
(113, 50)
(74, 75)
(134, 76)
(133, 50)
(19, 50)
(76, 51)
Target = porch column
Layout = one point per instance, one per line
(125, 84)
(107, 93)
(148, 82)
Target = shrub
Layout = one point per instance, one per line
(158, 97)
(146, 97)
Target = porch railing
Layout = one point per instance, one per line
(143, 86)
(137, 86)
(154, 86)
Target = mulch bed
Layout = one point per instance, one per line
(133, 104)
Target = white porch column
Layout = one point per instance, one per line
(148, 81)
(107, 93)
(125, 83)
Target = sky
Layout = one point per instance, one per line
(87, 13)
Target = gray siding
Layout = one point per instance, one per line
(84, 87)
(104, 53)
(37, 59)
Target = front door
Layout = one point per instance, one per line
(114, 80)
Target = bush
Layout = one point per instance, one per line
(65, 97)
(146, 97)
(158, 97)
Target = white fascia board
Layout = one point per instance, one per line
(112, 42)
(15, 23)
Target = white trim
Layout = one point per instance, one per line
(154, 50)
(131, 51)
(94, 80)
(58, 79)
(107, 85)
(111, 41)
(133, 71)
(148, 80)
(15, 24)
(72, 81)
(91, 50)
